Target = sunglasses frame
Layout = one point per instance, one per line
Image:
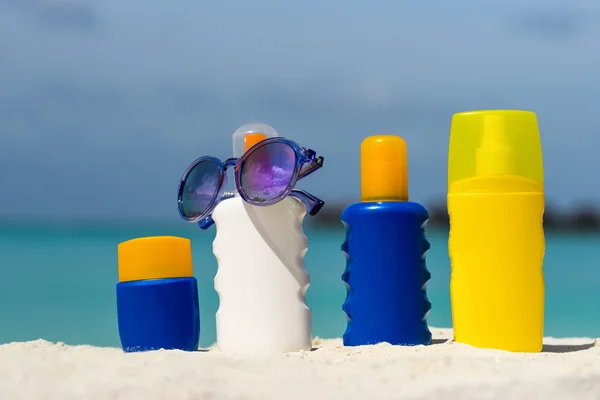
(306, 163)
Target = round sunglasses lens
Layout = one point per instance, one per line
(268, 171)
(200, 188)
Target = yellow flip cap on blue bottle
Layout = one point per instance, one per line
(496, 245)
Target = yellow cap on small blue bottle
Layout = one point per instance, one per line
(155, 257)
(488, 144)
(383, 169)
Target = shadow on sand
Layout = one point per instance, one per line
(547, 348)
(567, 348)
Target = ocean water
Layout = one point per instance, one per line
(58, 282)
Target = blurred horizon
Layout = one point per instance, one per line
(104, 104)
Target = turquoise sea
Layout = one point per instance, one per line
(58, 282)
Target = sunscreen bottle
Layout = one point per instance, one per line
(496, 245)
(385, 250)
(261, 279)
(157, 295)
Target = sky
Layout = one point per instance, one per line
(103, 104)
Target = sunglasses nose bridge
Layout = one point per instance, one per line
(226, 166)
(231, 162)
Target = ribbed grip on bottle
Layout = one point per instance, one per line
(386, 274)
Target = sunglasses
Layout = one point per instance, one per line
(264, 175)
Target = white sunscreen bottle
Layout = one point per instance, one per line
(261, 279)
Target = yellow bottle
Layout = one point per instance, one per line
(496, 245)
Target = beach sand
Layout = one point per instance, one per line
(567, 368)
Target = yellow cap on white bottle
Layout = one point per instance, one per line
(247, 135)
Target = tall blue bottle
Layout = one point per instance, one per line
(385, 247)
(157, 295)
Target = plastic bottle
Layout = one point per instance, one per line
(157, 295)
(385, 249)
(496, 246)
(261, 278)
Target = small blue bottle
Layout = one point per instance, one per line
(157, 295)
(385, 250)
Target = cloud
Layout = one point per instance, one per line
(556, 24)
(56, 14)
(70, 14)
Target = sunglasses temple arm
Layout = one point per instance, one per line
(207, 222)
(310, 168)
(313, 204)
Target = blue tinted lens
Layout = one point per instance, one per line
(268, 171)
(200, 188)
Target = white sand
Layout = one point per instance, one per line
(567, 369)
